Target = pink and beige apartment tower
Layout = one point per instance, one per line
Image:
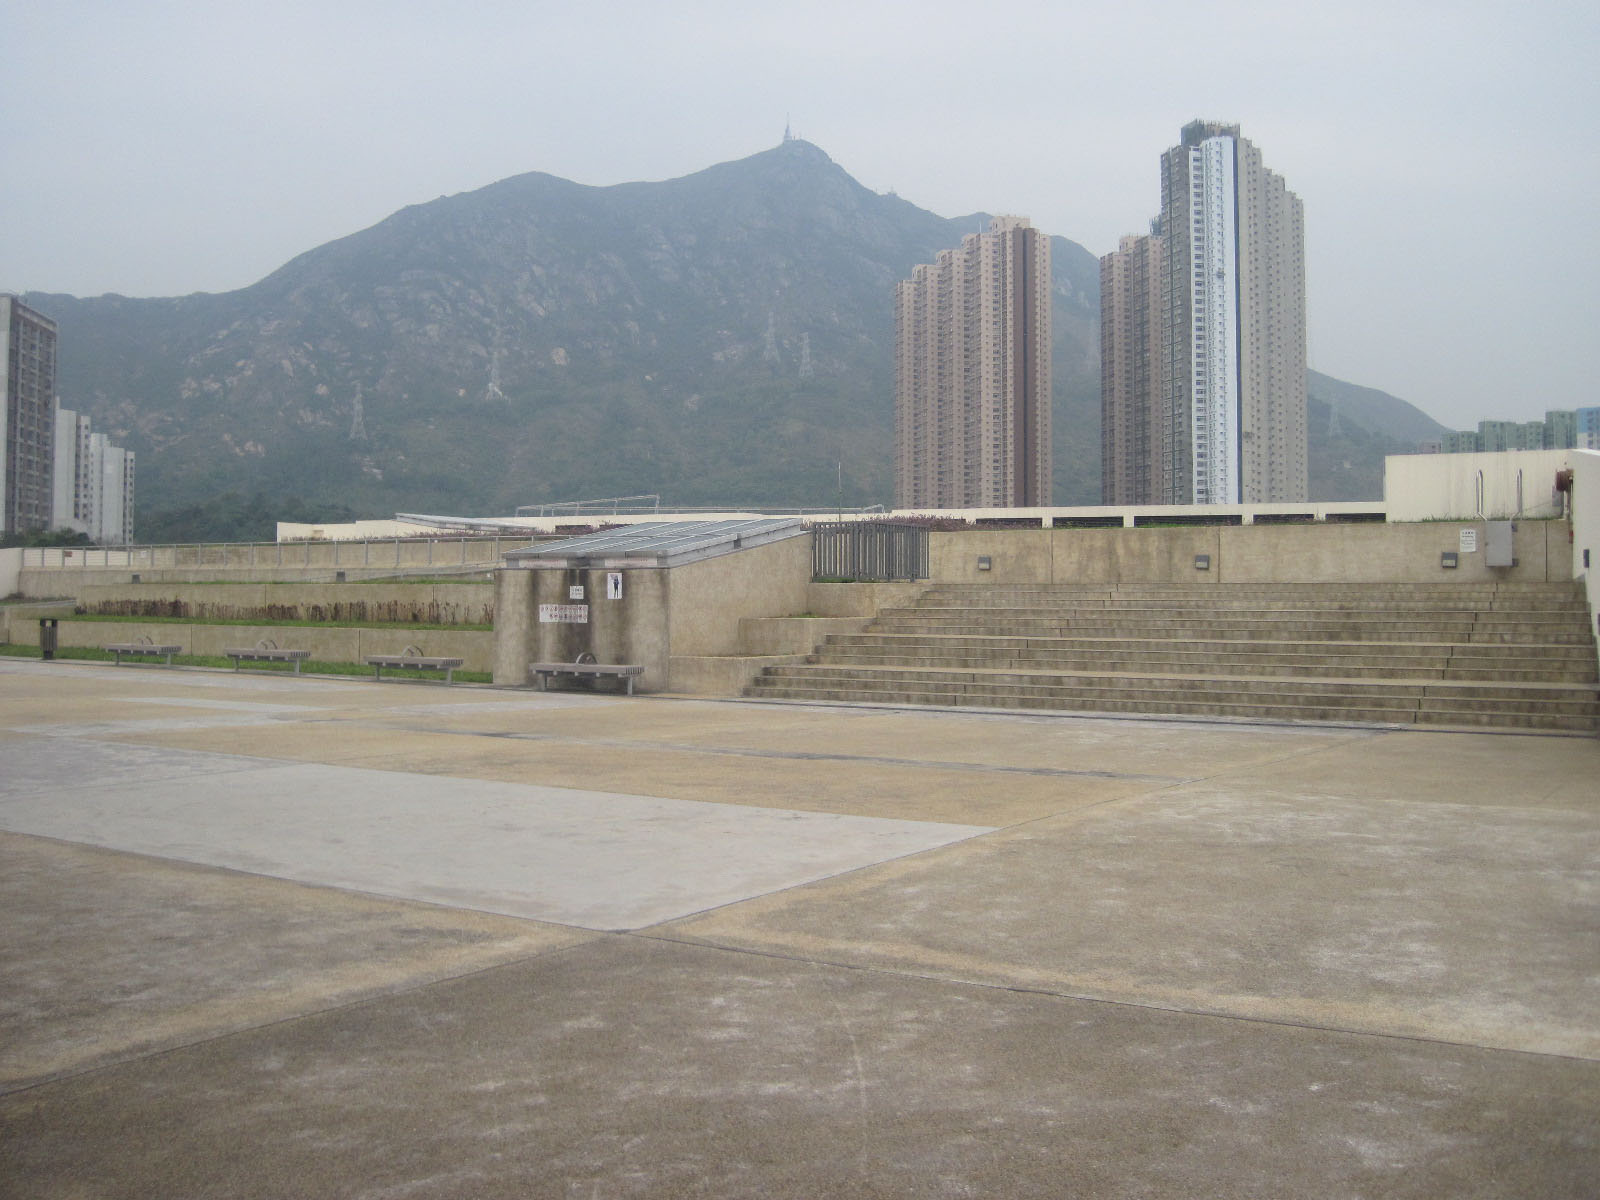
(972, 374)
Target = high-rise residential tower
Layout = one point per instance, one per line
(27, 435)
(1130, 377)
(972, 374)
(1228, 385)
(93, 482)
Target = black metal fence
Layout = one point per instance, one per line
(869, 550)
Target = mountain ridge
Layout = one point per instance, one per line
(722, 337)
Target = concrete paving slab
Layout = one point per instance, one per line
(107, 956)
(625, 1067)
(1264, 909)
(1345, 914)
(1451, 768)
(1162, 750)
(886, 787)
(592, 859)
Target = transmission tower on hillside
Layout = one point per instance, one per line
(769, 353)
(492, 391)
(358, 426)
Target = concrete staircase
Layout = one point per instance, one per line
(1504, 655)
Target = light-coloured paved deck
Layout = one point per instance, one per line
(272, 937)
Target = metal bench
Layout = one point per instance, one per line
(585, 668)
(266, 651)
(143, 648)
(413, 659)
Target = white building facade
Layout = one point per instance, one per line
(93, 486)
(1233, 344)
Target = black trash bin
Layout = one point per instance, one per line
(47, 638)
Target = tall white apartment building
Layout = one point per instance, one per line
(1219, 375)
(27, 430)
(972, 373)
(74, 495)
(1234, 340)
(1586, 428)
(93, 482)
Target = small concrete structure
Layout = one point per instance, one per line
(646, 595)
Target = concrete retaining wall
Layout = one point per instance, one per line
(709, 598)
(457, 603)
(1337, 553)
(859, 599)
(1585, 549)
(345, 644)
(10, 571)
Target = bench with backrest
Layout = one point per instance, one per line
(142, 648)
(585, 668)
(266, 651)
(413, 659)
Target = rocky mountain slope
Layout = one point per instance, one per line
(724, 338)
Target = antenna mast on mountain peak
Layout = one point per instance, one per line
(788, 129)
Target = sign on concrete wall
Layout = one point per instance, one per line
(614, 585)
(563, 614)
(1469, 541)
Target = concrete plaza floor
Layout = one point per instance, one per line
(267, 936)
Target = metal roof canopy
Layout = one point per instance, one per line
(669, 544)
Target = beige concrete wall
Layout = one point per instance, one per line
(1515, 484)
(453, 603)
(24, 619)
(1015, 556)
(630, 630)
(709, 597)
(1385, 554)
(1151, 555)
(514, 632)
(859, 599)
(792, 635)
(10, 571)
(327, 644)
(1313, 553)
(723, 674)
(1584, 547)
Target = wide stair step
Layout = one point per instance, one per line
(1493, 656)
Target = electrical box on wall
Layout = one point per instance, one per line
(1497, 544)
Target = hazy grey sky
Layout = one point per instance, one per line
(1446, 153)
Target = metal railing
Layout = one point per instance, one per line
(869, 550)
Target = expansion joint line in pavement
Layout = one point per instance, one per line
(344, 1006)
(813, 756)
(1059, 994)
